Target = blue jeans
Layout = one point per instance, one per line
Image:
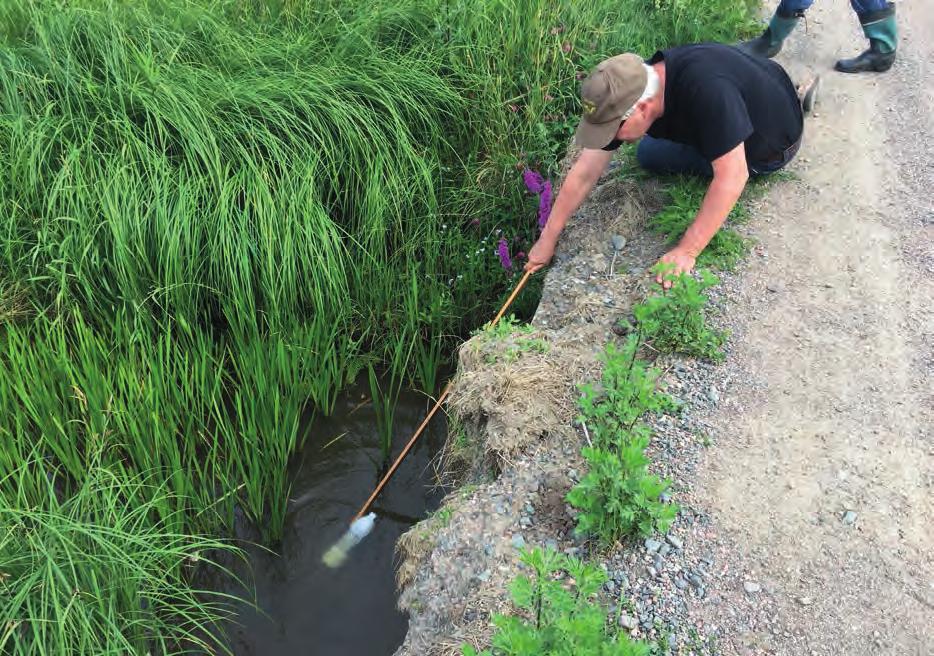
(861, 7)
(670, 157)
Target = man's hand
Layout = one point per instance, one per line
(541, 254)
(681, 259)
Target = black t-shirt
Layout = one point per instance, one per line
(717, 96)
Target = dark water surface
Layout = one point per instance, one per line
(351, 611)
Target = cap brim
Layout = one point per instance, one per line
(596, 135)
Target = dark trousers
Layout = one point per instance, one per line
(861, 7)
(669, 157)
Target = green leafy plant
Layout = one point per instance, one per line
(673, 320)
(557, 614)
(617, 496)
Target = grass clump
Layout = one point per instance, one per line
(217, 422)
(511, 339)
(99, 572)
(617, 497)
(557, 614)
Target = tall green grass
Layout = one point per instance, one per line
(98, 572)
(216, 213)
(216, 420)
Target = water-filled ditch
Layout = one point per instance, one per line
(304, 608)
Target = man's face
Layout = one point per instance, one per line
(635, 127)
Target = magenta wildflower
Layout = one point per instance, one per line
(502, 249)
(520, 255)
(544, 205)
(533, 181)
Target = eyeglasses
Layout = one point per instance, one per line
(616, 143)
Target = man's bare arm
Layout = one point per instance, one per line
(730, 173)
(577, 185)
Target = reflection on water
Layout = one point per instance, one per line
(310, 609)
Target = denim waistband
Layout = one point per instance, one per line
(778, 161)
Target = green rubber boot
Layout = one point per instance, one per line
(769, 43)
(882, 31)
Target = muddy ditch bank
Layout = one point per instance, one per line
(513, 450)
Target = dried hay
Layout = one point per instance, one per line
(507, 396)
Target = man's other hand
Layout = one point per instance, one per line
(682, 261)
(541, 254)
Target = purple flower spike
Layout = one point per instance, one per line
(533, 181)
(502, 249)
(544, 205)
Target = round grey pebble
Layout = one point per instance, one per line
(751, 587)
(623, 580)
(628, 622)
(713, 395)
(518, 541)
(619, 242)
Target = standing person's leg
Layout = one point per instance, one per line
(878, 20)
(664, 156)
(786, 17)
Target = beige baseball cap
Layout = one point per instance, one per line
(611, 90)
